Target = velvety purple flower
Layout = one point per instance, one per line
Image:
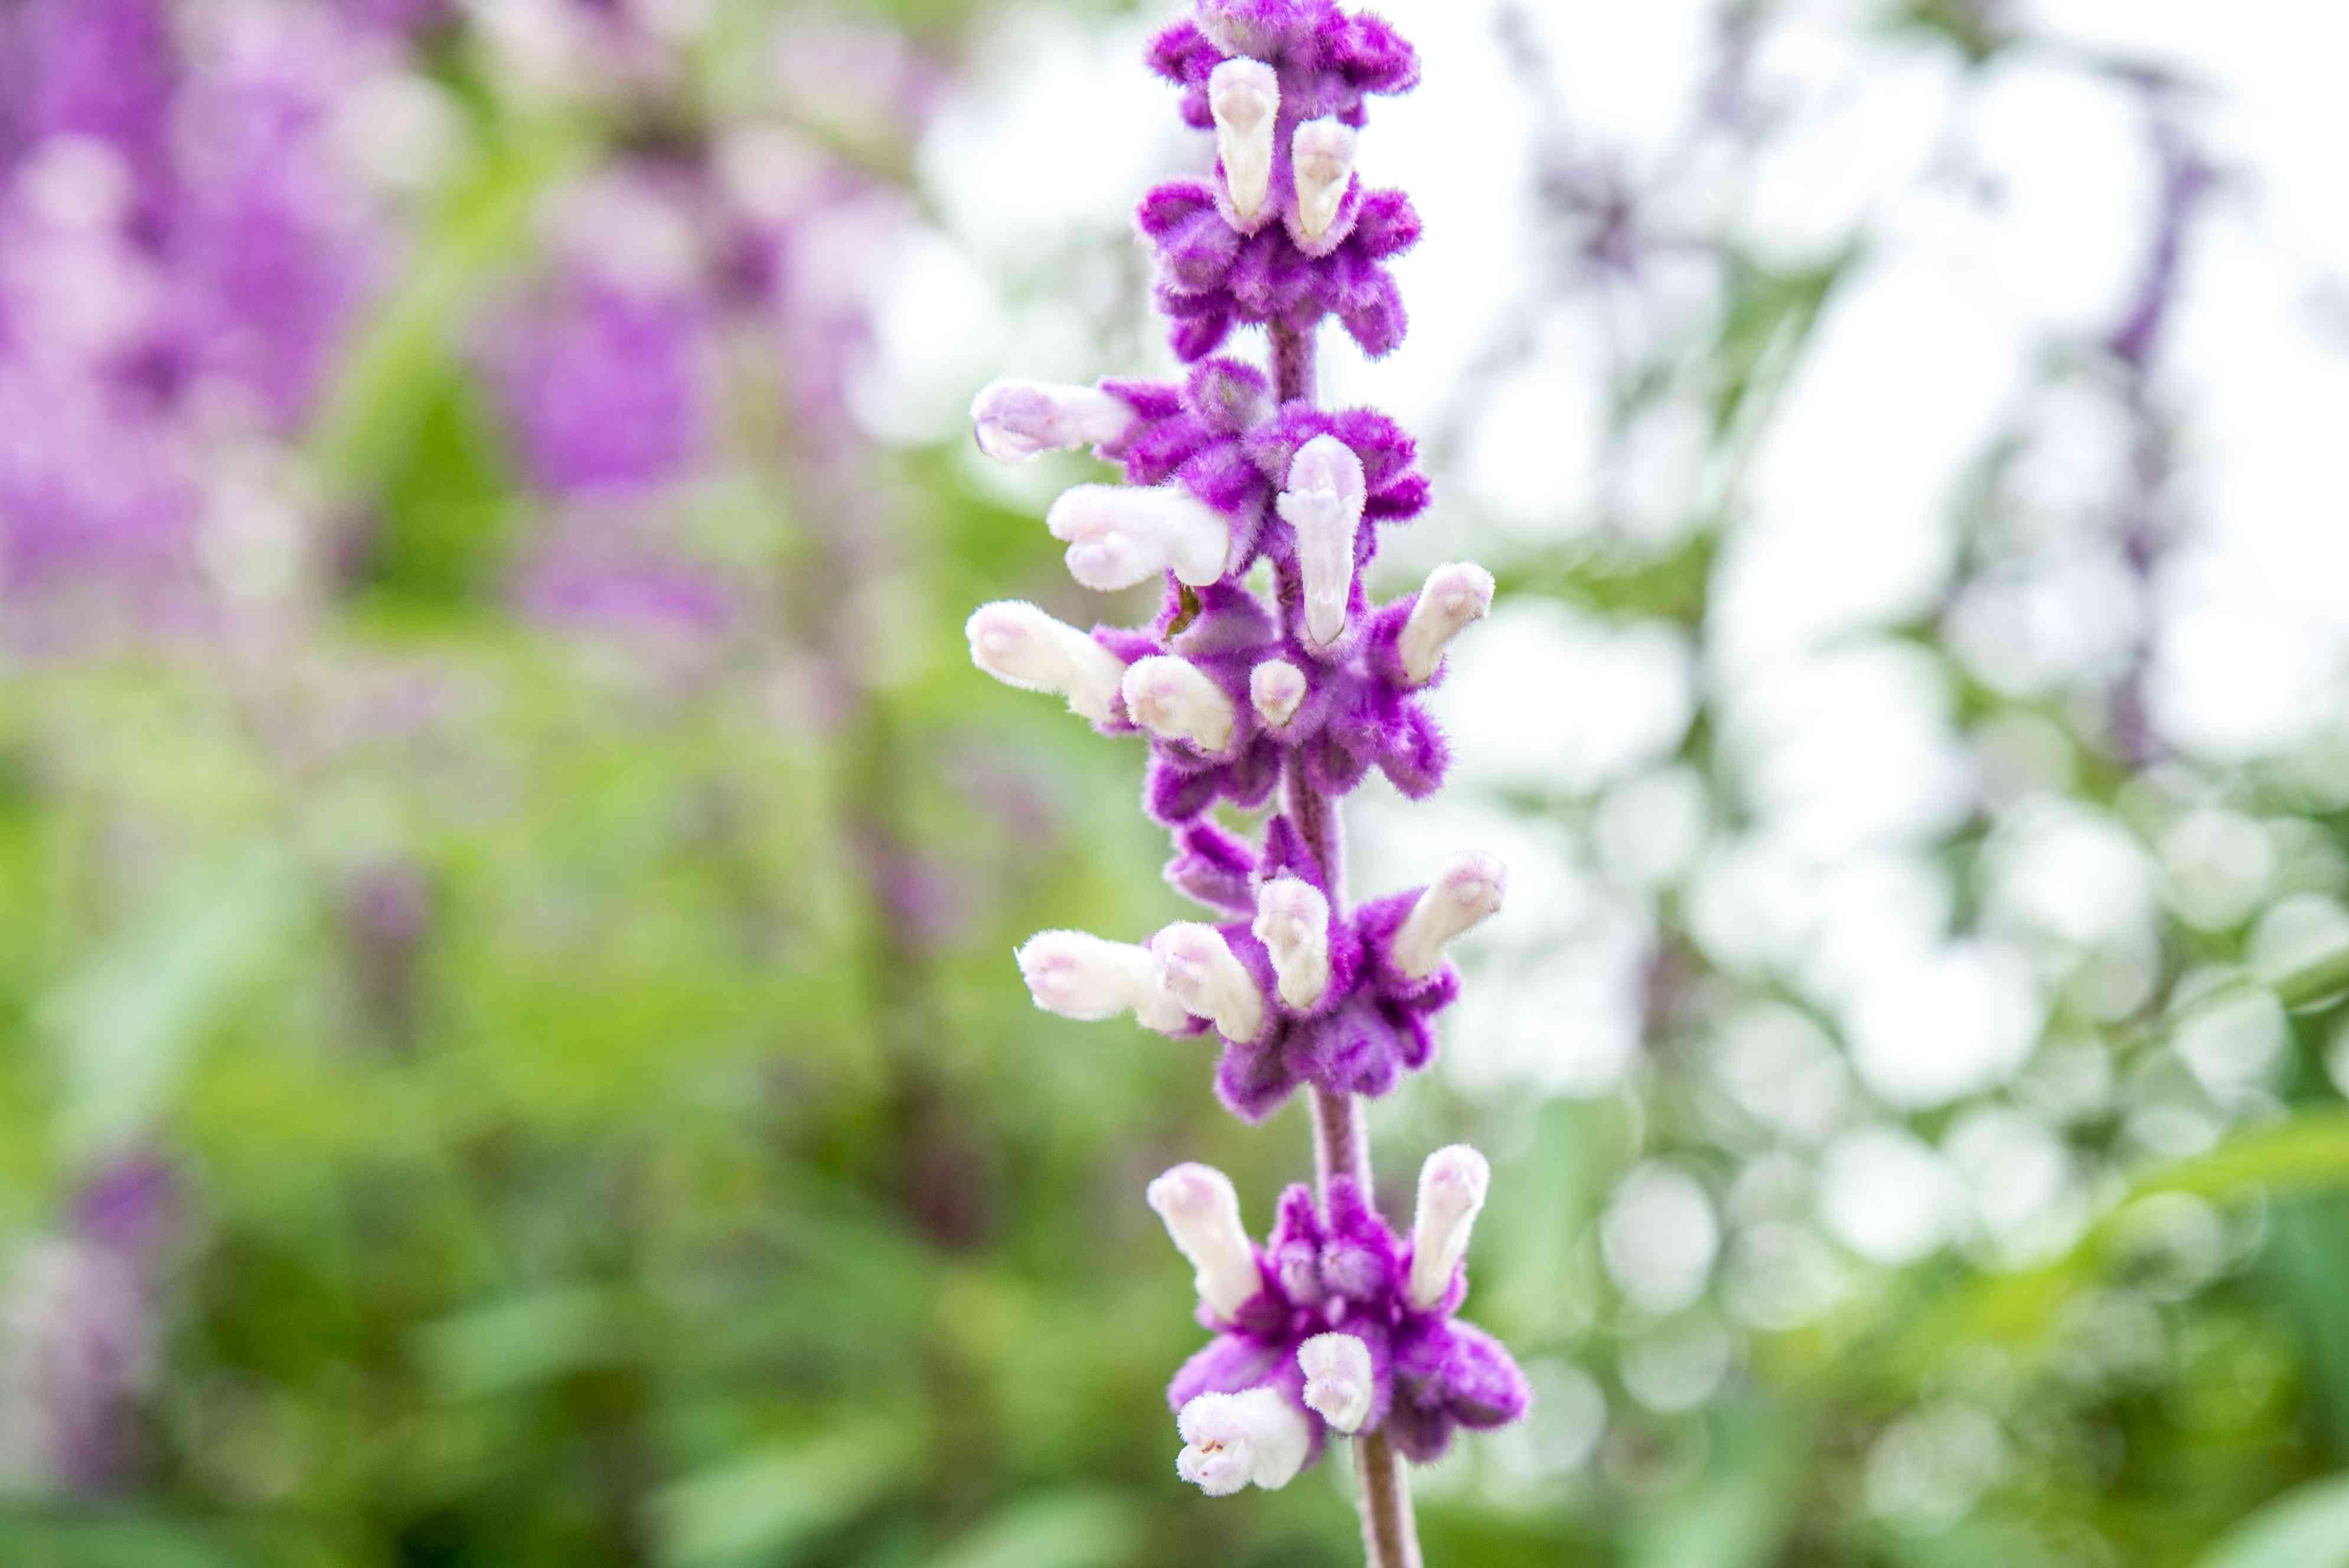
(1334, 1324)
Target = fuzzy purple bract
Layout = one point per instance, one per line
(1337, 1268)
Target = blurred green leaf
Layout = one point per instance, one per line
(110, 1544)
(516, 1343)
(372, 413)
(763, 1506)
(2309, 1151)
(1742, 1510)
(1063, 1530)
(126, 1021)
(2308, 1527)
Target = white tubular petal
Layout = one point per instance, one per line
(1324, 505)
(1021, 646)
(1119, 535)
(1339, 1382)
(1456, 596)
(1231, 1439)
(1202, 973)
(1322, 150)
(1203, 1216)
(1451, 1188)
(1015, 421)
(1174, 700)
(1292, 920)
(1244, 96)
(1086, 977)
(1469, 890)
(1277, 690)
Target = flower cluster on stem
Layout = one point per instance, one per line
(1236, 479)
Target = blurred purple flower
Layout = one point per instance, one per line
(80, 1333)
(99, 68)
(604, 372)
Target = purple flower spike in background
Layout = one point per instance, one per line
(80, 1335)
(1336, 1324)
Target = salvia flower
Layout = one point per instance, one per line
(1335, 1323)
(1343, 1325)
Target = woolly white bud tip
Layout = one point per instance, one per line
(1203, 1216)
(1468, 891)
(1322, 151)
(1292, 920)
(1454, 597)
(1202, 973)
(1231, 1439)
(1175, 700)
(1119, 535)
(1339, 1382)
(1277, 688)
(1085, 977)
(1021, 646)
(1324, 505)
(1244, 96)
(1451, 1188)
(1015, 421)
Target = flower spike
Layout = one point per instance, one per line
(1451, 1188)
(1118, 536)
(1454, 597)
(1017, 421)
(1021, 646)
(1333, 1326)
(1244, 96)
(1088, 978)
(1467, 893)
(1175, 700)
(1324, 505)
(1202, 1213)
(1204, 975)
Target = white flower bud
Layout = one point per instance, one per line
(1119, 535)
(1292, 920)
(1015, 421)
(1323, 503)
(1086, 977)
(1231, 1439)
(1451, 1188)
(1339, 1383)
(1277, 690)
(1322, 152)
(1245, 97)
(1203, 974)
(1203, 1216)
(1455, 597)
(1468, 891)
(1175, 700)
(1021, 646)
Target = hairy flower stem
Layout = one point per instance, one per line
(1341, 1140)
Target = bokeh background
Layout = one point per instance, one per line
(515, 1054)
